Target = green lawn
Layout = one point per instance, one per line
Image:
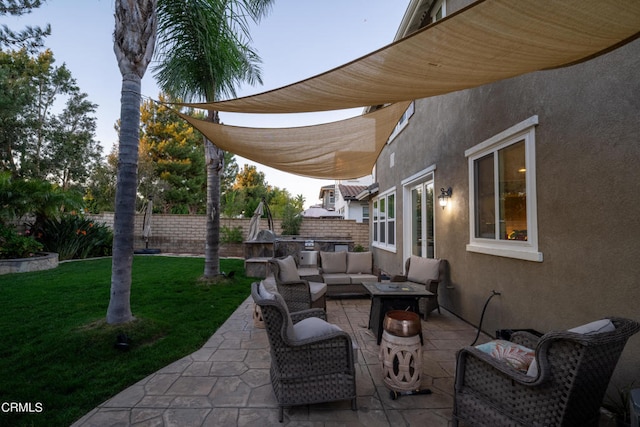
(57, 352)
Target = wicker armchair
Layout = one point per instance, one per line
(429, 272)
(573, 371)
(312, 361)
(298, 293)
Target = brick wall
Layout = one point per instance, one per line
(186, 233)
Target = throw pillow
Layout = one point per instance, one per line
(264, 292)
(359, 262)
(517, 356)
(423, 269)
(596, 327)
(334, 262)
(288, 269)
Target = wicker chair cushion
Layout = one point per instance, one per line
(423, 269)
(517, 356)
(318, 289)
(592, 328)
(313, 327)
(334, 262)
(288, 269)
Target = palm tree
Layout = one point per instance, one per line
(204, 52)
(134, 41)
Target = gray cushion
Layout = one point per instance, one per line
(359, 262)
(318, 289)
(361, 278)
(334, 262)
(313, 327)
(336, 279)
(288, 269)
(423, 269)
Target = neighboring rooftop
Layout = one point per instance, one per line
(350, 192)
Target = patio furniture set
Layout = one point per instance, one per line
(557, 379)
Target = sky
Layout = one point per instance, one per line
(296, 40)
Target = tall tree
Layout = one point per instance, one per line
(204, 53)
(134, 42)
(175, 151)
(31, 38)
(16, 94)
(73, 152)
(35, 140)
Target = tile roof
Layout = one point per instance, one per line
(350, 192)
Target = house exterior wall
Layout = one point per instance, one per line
(352, 210)
(587, 148)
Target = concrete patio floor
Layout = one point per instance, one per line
(226, 382)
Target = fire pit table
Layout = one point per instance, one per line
(392, 296)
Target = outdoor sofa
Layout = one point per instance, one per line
(344, 272)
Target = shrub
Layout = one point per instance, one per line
(73, 236)
(231, 235)
(13, 245)
(291, 220)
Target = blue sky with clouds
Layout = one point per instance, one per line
(297, 40)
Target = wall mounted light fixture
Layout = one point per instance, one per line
(444, 197)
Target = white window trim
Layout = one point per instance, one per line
(402, 123)
(408, 183)
(375, 223)
(527, 250)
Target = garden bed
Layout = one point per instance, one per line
(42, 261)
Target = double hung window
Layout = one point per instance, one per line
(384, 221)
(503, 218)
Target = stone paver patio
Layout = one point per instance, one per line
(226, 382)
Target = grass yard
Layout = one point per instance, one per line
(57, 357)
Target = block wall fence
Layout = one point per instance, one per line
(186, 233)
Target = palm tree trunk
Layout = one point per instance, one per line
(214, 157)
(212, 244)
(119, 310)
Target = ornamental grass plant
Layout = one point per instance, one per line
(58, 356)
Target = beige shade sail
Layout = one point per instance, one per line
(486, 42)
(338, 150)
(483, 43)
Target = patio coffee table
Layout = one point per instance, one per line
(392, 296)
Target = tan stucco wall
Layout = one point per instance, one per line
(588, 195)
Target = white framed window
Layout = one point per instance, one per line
(384, 221)
(502, 194)
(438, 10)
(402, 123)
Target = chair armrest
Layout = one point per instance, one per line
(525, 338)
(297, 316)
(294, 282)
(487, 365)
(296, 294)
